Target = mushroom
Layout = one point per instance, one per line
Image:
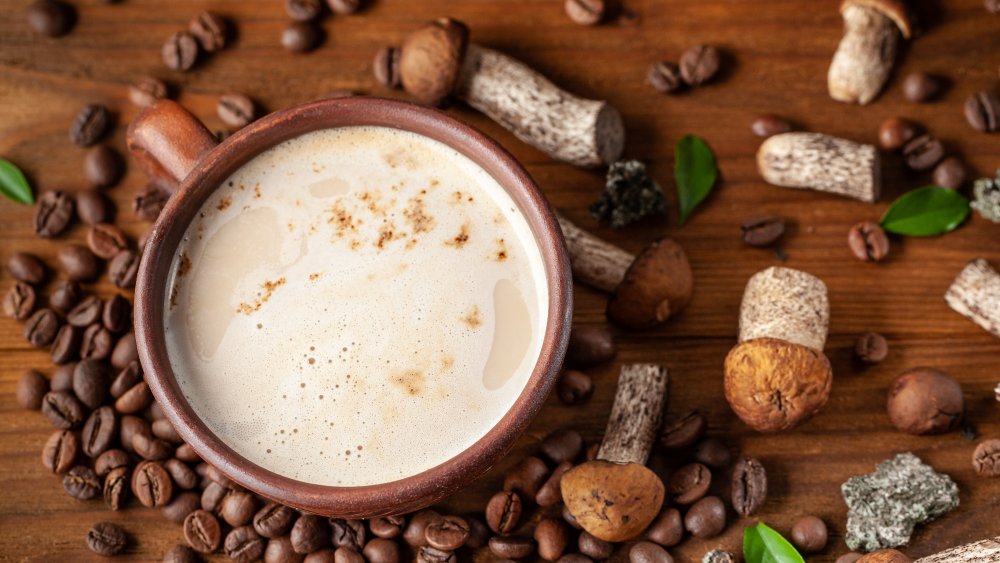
(975, 293)
(645, 289)
(437, 62)
(864, 59)
(823, 163)
(777, 376)
(885, 556)
(980, 551)
(615, 496)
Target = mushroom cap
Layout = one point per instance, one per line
(896, 10)
(885, 556)
(613, 501)
(431, 60)
(774, 384)
(656, 285)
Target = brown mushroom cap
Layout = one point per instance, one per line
(885, 556)
(613, 501)
(896, 10)
(431, 60)
(656, 285)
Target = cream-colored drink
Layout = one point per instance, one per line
(355, 306)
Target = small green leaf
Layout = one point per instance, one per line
(926, 211)
(13, 184)
(761, 544)
(694, 171)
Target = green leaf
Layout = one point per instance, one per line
(13, 184)
(761, 544)
(694, 171)
(926, 211)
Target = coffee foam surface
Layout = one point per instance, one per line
(354, 306)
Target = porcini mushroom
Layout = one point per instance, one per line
(615, 496)
(864, 59)
(777, 376)
(975, 552)
(645, 289)
(437, 62)
(975, 293)
(823, 163)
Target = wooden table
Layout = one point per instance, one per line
(776, 56)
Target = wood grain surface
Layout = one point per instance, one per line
(776, 56)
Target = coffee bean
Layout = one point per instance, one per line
(60, 451)
(381, 550)
(447, 534)
(349, 533)
(210, 30)
(26, 268)
(552, 538)
(503, 511)
(526, 477)
(130, 426)
(90, 125)
(244, 545)
(309, 533)
(97, 343)
(386, 67)
(301, 37)
(41, 328)
(923, 152)
(699, 64)
(684, 431)
(99, 431)
(667, 529)
(922, 87)
(648, 552)
(134, 399)
(126, 379)
(762, 230)
(65, 296)
(123, 269)
(950, 173)
(809, 534)
(53, 214)
(550, 492)
(78, 263)
(871, 348)
(116, 487)
(575, 558)
(689, 483)
(303, 10)
(145, 91)
(237, 508)
(594, 547)
(106, 241)
(712, 452)
(274, 520)
(585, 12)
(344, 7)
(664, 77)
(107, 539)
(51, 18)
(150, 448)
(868, 242)
(589, 345)
(414, 533)
(86, 312)
(180, 51)
(429, 554)
(768, 125)
(186, 453)
(925, 400)
(512, 547)
(849, 557)
(117, 314)
(479, 533)
(202, 532)
(213, 474)
(81, 483)
(63, 409)
(19, 301)
(151, 485)
(102, 166)
(182, 505)
(163, 430)
(235, 110)
(124, 352)
(31, 389)
(706, 518)
(895, 132)
(62, 378)
(574, 387)
(109, 460)
(986, 458)
(982, 111)
(181, 554)
(749, 486)
(387, 527)
(148, 204)
(562, 445)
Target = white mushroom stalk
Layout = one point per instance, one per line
(823, 163)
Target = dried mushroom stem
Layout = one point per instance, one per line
(823, 163)
(865, 56)
(595, 262)
(975, 293)
(636, 414)
(984, 551)
(786, 304)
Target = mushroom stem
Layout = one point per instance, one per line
(984, 551)
(636, 414)
(583, 132)
(595, 262)
(821, 162)
(786, 304)
(865, 56)
(975, 293)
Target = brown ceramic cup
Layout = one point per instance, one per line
(181, 155)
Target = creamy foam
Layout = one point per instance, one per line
(355, 305)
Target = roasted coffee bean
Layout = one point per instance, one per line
(895, 132)
(62, 378)
(124, 352)
(146, 91)
(235, 110)
(479, 533)
(429, 554)
(180, 51)
(667, 529)
(344, 7)
(762, 230)
(89, 125)
(303, 10)
(648, 552)
(749, 486)
(99, 431)
(181, 554)
(684, 431)
(129, 427)
(923, 152)
(309, 533)
(562, 445)
(348, 533)
(102, 166)
(414, 533)
(60, 451)
(149, 203)
(922, 87)
(712, 452)
(950, 173)
(53, 214)
(301, 37)
(447, 534)
(526, 477)
(123, 269)
(925, 400)
(512, 547)
(574, 387)
(589, 345)
(51, 18)
(26, 268)
(279, 550)
(117, 314)
(106, 241)
(213, 474)
(78, 263)
(19, 301)
(503, 511)
(202, 532)
(81, 483)
(706, 518)
(274, 520)
(237, 508)
(107, 539)
(387, 526)
(689, 483)
(568, 517)
(982, 111)
(63, 409)
(594, 547)
(210, 30)
(550, 492)
(849, 557)
(151, 484)
(41, 328)
(664, 77)
(126, 379)
(868, 242)
(182, 505)
(381, 550)
(31, 389)
(871, 348)
(186, 453)
(163, 430)
(575, 558)
(150, 447)
(552, 537)
(96, 343)
(244, 545)
(809, 534)
(116, 487)
(699, 64)
(768, 125)
(93, 207)
(65, 296)
(109, 460)
(212, 497)
(86, 312)
(386, 67)
(986, 458)
(585, 12)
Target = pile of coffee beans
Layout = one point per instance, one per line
(698, 65)
(207, 33)
(921, 151)
(303, 33)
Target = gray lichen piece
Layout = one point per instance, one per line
(718, 556)
(885, 506)
(986, 197)
(629, 195)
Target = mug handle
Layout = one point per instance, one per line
(168, 142)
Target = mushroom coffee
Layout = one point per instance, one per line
(354, 306)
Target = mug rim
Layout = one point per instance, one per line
(411, 492)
